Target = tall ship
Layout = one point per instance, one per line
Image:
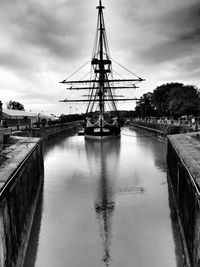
(102, 117)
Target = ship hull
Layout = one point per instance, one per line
(102, 133)
(101, 137)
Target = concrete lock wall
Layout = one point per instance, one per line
(51, 130)
(20, 181)
(184, 166)
(161, 129)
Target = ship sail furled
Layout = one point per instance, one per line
(102, 85)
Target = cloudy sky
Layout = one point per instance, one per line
(43, 42)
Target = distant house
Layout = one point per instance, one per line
(19, 118)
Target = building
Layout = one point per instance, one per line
(18, 119)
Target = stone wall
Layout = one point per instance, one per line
(21, 177)
(47, 131)
(184, 166)
(161, 129)
(4, 135)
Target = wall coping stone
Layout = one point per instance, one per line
(15, 155)
(188, 147)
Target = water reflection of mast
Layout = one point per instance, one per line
(104, 209)
(104, 205)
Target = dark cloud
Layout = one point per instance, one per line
(178, 34)
(193, 36)
(53, 32)
(36, 31)
(183, 24)
(43, 42)
(13, 60)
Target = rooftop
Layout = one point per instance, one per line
(12, 112)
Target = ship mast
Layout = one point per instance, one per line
(101, 85)
(101, 64)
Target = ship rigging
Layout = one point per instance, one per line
(102, 86)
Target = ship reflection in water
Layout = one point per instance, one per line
(106, 155)
(104, 204)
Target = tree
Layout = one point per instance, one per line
(144, 106)
(184, 100)
(161, 98)
(170, 99)
(15, 105)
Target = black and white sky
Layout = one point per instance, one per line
(43, 42)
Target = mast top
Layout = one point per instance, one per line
(100, 7)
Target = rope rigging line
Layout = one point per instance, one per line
(84, 76)
(124, 78)
(88, 73)
(124, 67)
(95, 40)
(77, 70)
(106, 41)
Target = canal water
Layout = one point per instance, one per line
(105, 204)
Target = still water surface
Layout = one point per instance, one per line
(104, 204)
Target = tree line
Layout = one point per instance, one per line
(15, 105)
(169, 100)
